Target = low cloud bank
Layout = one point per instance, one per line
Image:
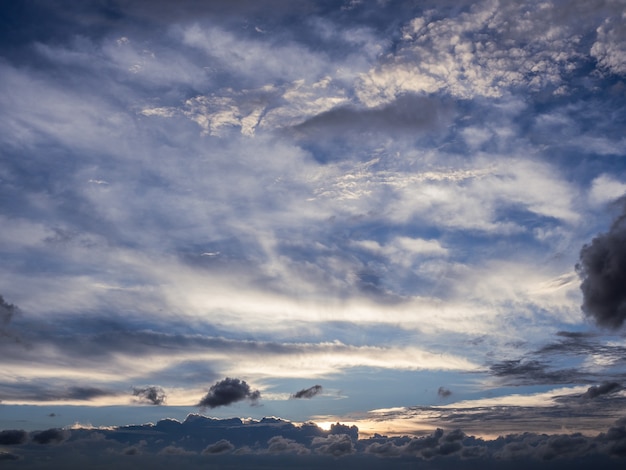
(233, 442)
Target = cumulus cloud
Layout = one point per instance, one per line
(282, 445)
(336, 445)
(49, 435)
(602, 268)
(220, 447)
(228, 391)
(152, 394)
(308, 392)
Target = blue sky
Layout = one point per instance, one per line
(413, 210)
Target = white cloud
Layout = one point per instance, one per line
(605, 189)
(476, 53)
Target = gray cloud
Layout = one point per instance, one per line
(228, 391)
(308, 392)
(220, 447)
(407, 114)
(443, 392)
(282, 445)
(13, 437)
(50, 435)
(531, 371)
(603, 389)
(152, 394)
(602, 268)
(7, 311)
(336, 445)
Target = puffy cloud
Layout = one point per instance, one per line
(50, 435)
(308, 392)
(281, 445)
(337, 445)
(602, 268)
(152, 394)
(228, 391)
(220, 447)
(609, 48)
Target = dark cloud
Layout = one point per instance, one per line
(220, 447)
(152, 394)
(175, 450)
(407, 114)
(523, 371)
(13, 437)
(603, 389)
(48, 436)
(228, 391)
(336, 445)
(443, 392)
(7, 311)
(44, 392)
(308, 392)
(602, 268)
(282, 445)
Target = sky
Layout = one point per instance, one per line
(404, 216)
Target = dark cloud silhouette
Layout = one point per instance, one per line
(308, 392)
(50, 435)
(336, 445)
(443, 392)
(602, 268)
(228, 391)
(220, 447)
(282, 445)
(13, 437)
(152, 394)
(523, 371)
(603, 389)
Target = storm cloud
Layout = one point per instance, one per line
(227, 392)
(602, 267)
(308, 392)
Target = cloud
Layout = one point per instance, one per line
(153, 394)
(337, 445)
(603, 389)
(443, 392)
(50, 435)
(228, 391)
(220, 447)
(4, 455)
(7, 311)
(308, 392)
(13, 437)
(602, 268)
(281, 445)
(406, 114)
